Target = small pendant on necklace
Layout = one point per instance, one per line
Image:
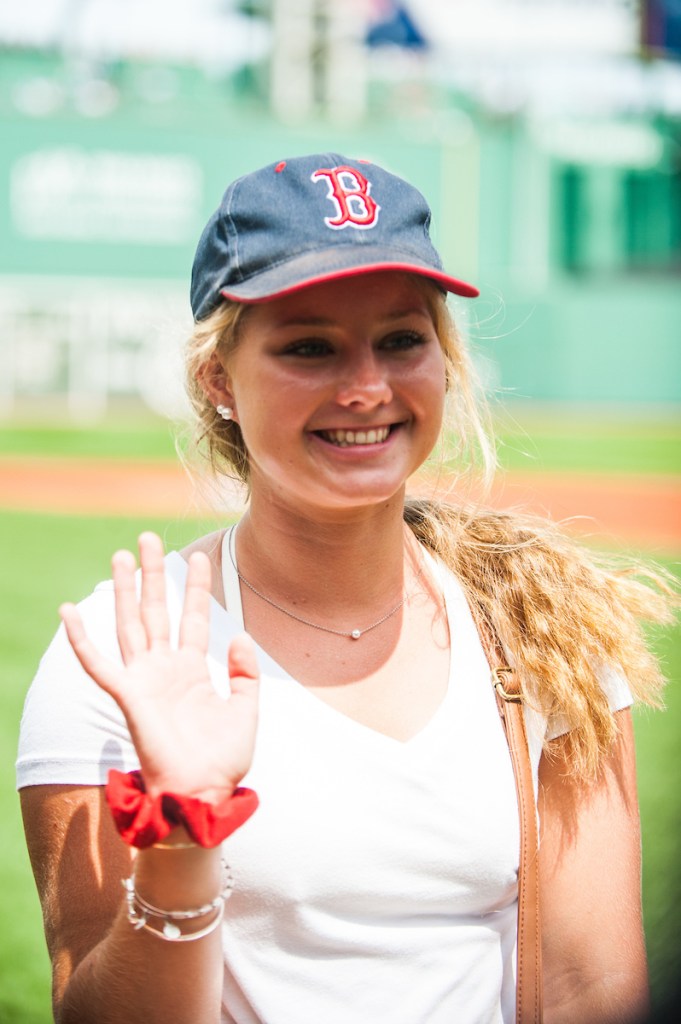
(356, 634)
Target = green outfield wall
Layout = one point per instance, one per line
(572, 231)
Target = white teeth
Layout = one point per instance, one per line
(344, 438)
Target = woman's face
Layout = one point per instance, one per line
(339, 390)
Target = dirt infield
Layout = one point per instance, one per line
(643, 511)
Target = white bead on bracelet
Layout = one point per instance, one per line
(140, 910)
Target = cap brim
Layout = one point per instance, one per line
(281, 281)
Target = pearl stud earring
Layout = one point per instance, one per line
(225, 411)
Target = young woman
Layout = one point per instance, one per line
(378, 878)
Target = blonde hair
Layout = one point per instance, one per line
(563, 614)
(219, 441)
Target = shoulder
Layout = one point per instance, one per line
(567, 618)
(210, 545)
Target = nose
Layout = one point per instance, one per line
(364, 383)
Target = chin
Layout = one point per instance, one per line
(357, 497)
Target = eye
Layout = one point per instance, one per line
(403, 341)
(308, 348)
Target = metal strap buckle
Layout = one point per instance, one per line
(498, 684)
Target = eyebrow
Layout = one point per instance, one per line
(321, 321)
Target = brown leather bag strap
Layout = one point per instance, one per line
(529, 969)
(529, 965)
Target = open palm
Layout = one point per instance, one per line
(188, 738)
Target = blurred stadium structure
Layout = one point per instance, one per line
(546, 133)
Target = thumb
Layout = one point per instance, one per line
(242, 666)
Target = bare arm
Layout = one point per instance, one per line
(189, 740)
(590, 863)
(103, 970)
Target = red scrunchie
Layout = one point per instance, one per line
(142, 820)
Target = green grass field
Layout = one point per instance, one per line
(46, 559)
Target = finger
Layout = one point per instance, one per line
(242, 665)
(99, 668)
(153, 606)
(130, 631)
(195, 621)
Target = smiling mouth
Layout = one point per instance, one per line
(348, 438)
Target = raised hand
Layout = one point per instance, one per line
(189, 739)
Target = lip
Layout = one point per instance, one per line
(354, 446)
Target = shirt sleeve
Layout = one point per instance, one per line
(71, 730)
(616, 690)
(539, 728)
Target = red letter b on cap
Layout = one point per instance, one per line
(349, 192)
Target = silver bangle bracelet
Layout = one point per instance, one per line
(139, 911)
(171, 933)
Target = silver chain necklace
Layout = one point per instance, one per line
(353, 634)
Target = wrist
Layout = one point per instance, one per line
(177, 839)
(178, 897)
(143, 819)
(186, 873)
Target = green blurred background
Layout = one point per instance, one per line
(547, 137)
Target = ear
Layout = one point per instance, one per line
(215, 383)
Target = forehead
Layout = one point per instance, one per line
(382, 295)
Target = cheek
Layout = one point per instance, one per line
(430, 380)
(431, 396)
(268, 417)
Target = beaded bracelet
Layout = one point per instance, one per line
(139, 911)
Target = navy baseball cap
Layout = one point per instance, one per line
(312, 219)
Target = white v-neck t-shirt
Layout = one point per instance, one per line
(377, 882)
